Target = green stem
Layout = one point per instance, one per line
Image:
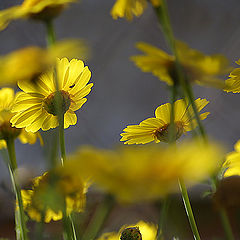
(51, 38)
(162, 218)
(98, 219)
(188, 209)
(19, 212)
(226, 224)
(61, 137)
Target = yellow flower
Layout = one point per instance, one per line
(157, 128)
(36, 106)
(6, 129)
(232, 163)
(38, 60)
(51, 192)
(233, 82)
(147, 172)
(148, 231)
(130, 8)
(199, 68)
(34, 9)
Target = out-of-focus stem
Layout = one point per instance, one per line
(51, 38)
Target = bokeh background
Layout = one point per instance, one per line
(122, 94)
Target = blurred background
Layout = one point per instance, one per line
(122, 94)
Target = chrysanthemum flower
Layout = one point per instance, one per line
(232, 163)
(6, 129)
(38, 60)
(34, 9)
(147, 172)
(199, 68)
(36, 105)
(148, 231)
(157, 128)
(129, 8)
(51, 192)
(233, 82)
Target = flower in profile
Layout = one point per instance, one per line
(232, 163)
(233, 82)
(157, 129)
(141, 231)
(38, 60)
(44, 10)
(52, 192)
(7, 131)
(141, 173)
(198, 68)
(129, 8)
(37, 106)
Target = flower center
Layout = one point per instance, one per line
(131, 233)
(57, 102)
(163, 133)
(7, 131)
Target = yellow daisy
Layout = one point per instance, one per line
(141, 173)
(129, 8)
(157, 128)
(233, 82)
(7, 97)
(232, 163)
(199, 68)
(35, 106)
(34, 9)
(147, 231)
(51, 192)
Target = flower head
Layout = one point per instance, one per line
(37, 106)
(7, 97)
(33, 9)
(232, 84)
(147, 172)
(147, 231)
(130, 8)
(199, 68)
(51, 192)
(158, 128)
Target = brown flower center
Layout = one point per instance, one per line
(57, 102)
(132, 233)
(7, 131)
(163, 133)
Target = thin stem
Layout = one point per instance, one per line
(61, 137)
(19, 212)
(226, 224)
(98, 219)
(162, 218)
(188, 209)
(51, 38)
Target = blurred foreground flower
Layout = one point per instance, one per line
(233, 82)
(147, 231)
(51, 192)
(199, 68)
(43, 10)
(157, 129)
(27, 64)
(6, 129)
(146, 172)
(37, 108)
(129, 8)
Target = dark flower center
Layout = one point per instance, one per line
(7, 131)
(132, 233)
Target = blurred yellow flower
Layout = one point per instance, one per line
(51, 192)
(36, 105)
(233, 82)
(157, 128)
(232, 163)
(147, 230)
(129, 8)
(6, 129)
(147, 172)
(38, 60)
(199, 68)
(34, 9)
